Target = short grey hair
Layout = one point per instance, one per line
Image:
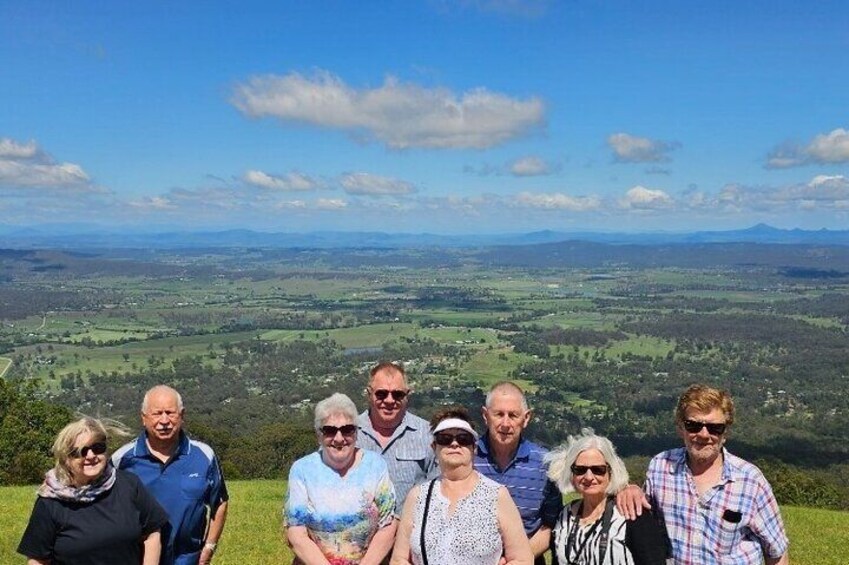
(337, 403)
(161, 388)
(506, 387)
(560, 461)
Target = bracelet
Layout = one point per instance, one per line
(210, 546)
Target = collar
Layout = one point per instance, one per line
(407, 422)
(184, 446)
(730, 470)
(523, 451)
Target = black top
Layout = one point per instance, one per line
(104, 532)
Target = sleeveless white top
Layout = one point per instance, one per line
(469, 536)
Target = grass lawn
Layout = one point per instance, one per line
(252, 535)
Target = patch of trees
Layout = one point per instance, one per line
(28, 426)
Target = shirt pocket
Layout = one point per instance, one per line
(193, 486)
(412, 456)
(729, 535)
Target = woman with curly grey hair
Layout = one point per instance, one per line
(591, 531)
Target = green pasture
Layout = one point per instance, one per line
(642, 345)
(455, 317)
(253, 530)
(73, 358)
(488, 366)
(572, 320)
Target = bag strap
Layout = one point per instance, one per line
(605, 529)
(424, 521)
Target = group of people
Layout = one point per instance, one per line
(160, 499)
(386, 486)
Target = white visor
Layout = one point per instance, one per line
(454, 423)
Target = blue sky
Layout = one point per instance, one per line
(464, 116)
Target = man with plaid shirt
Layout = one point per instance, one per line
(717, 507)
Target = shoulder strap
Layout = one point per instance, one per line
(605, 529)
(424, 521)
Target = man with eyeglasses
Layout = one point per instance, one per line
(717, 507)
(506, 457)
(182, 474)
(387, 427)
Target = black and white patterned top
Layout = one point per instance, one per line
(469, 536)
(636, 542)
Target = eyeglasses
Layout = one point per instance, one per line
(694, 427)
(397, 395)
(331, 431)
(463, 439)
(581, 470)
(98, 448)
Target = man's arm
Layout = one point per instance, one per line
(631, 501)
(540, 540)
(216, 526)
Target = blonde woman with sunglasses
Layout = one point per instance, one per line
(89, 513)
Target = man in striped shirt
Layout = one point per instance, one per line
(506, 457)
(399, 436)
(717, 507)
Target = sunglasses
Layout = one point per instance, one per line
(331, 431)
(581, 470)
(98, 448)
(397, 395)
(463, 439)
(694, 427)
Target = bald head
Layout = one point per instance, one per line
(161, 391)
(506, 388)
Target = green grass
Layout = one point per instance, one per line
(253, 534)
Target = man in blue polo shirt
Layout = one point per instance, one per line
(182, 474)
(506, 457)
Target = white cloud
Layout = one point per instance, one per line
(290, 205)
(330, 204)
(153, 204)
(642, 198)
(629, 148)
(558, 201)
(401, 115)
(375, 185)
(823, 149)
(11, 149)
(529, 167)
(293, 181)
(831, 147)
(24, 165)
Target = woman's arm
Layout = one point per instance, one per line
(32, 561)
(517, 549)
(401, 550)
(380, 545)
(303, 547)
(152, 548)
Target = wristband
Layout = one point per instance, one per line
(210, 546)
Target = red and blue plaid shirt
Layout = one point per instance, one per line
(737, 521)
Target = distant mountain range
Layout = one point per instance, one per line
(80, 237)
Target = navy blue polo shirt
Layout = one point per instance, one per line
(186, 486)
(538, 499)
